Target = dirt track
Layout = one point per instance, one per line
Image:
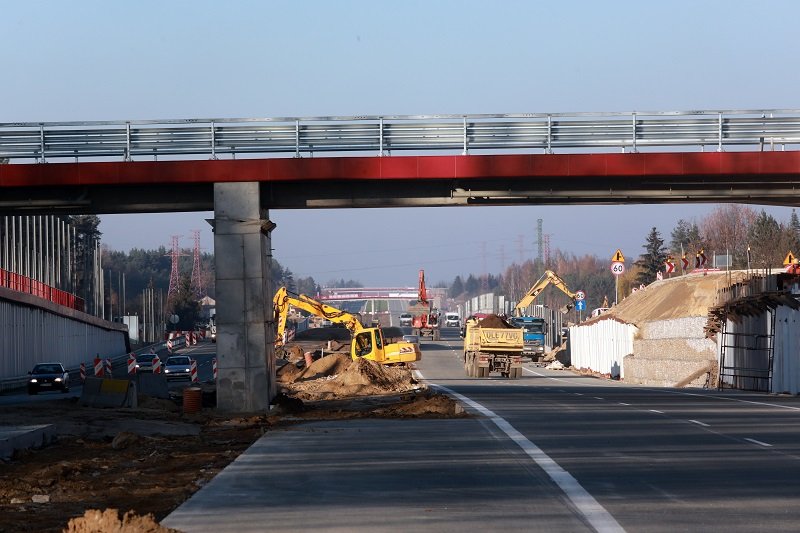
(151, 459)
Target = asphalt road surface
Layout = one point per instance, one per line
(653, 459)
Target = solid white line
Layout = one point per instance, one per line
(623, 403)
(699, 423)
(597, 398)
(594, 513)
(577, 394)
(754, 441)
(656, 411)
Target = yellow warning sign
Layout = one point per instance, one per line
(789, 259)
(618, 257)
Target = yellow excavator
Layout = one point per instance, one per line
(547, 278)
(367, 343)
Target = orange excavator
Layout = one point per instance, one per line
(424, 318)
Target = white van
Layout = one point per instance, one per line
(452, 320)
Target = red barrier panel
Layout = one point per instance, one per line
(20, 283)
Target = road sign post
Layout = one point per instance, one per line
(617, 268)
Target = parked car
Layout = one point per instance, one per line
(48, 376)
(178, 367)
(144, 362)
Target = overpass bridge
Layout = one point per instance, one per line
(396, 161)
(241, 168)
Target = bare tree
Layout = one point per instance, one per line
(726, 229)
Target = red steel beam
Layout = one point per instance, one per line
(707, 164)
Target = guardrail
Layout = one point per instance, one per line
(24, 284)
(214, 138)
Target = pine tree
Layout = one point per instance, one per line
(766, 240)
(685, 236)
(652, 261)
(456, 288)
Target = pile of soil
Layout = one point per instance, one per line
(94, 521)
(494, 321)
(338, 376)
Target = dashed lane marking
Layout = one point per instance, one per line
(594, 513)
(754, 441)
(699, 423)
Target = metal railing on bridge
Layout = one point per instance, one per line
(382, 135)
(24, 284)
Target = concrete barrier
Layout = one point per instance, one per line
(99, 392)
(154, 385)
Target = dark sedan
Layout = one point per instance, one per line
(48, 376)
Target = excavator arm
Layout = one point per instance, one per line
(547, 278)
(283, 299)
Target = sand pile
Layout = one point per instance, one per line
(680, 297)
(432, 406)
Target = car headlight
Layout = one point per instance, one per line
(34, 380)
(57, 379)
(166, 370)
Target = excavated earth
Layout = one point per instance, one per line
(126, 469)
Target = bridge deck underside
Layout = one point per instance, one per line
(406, 181)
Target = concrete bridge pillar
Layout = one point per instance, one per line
(243, 257)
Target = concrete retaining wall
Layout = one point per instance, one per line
(668, 352)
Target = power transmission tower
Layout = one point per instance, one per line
(539, 241)
(547, 256)
(197, 274)
(174, 278)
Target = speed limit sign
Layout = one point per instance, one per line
(580, 295)
(617, 268)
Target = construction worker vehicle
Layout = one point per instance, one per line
(547, 278)
(492, 349)
(367, 342)
(424, 318)
(533, 327)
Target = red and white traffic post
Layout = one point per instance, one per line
(193, 371)
(98, 367)
(83, 372)
(156, 364)
(214, 368)
(131, 364)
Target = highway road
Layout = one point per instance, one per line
(650, 459)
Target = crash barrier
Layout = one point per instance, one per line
(156, 364)
(193, 371)
(131, 364)
(214, 368)
(83, 372)
(20, 283)
(192, 399)
(154, 385)
(102, 392)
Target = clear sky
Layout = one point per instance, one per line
(101, 60)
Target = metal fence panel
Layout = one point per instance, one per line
(29, 335)
(601, 346)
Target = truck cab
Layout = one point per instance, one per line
(533, 334)
(405, 319)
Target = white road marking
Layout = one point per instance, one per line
(754, 441)
(577, 394)
(656, 411)
(623, 403)
(598, 398)
(594, 513)
(699, 423)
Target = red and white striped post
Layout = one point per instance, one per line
(83, 372)
(169, 345)
(156, 364)
(107, 369)
(187, 339)
(193, 371)
(131, 364)
(194, 337)
(214, 368)
(98, 367)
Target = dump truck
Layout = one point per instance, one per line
(492, 345)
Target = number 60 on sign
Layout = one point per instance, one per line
(617, 268)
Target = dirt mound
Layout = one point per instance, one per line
(494, 321)
(288, 373)
(680, 297)
(328, 365)
(359, 378)
(434, 406)
(94, 521)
